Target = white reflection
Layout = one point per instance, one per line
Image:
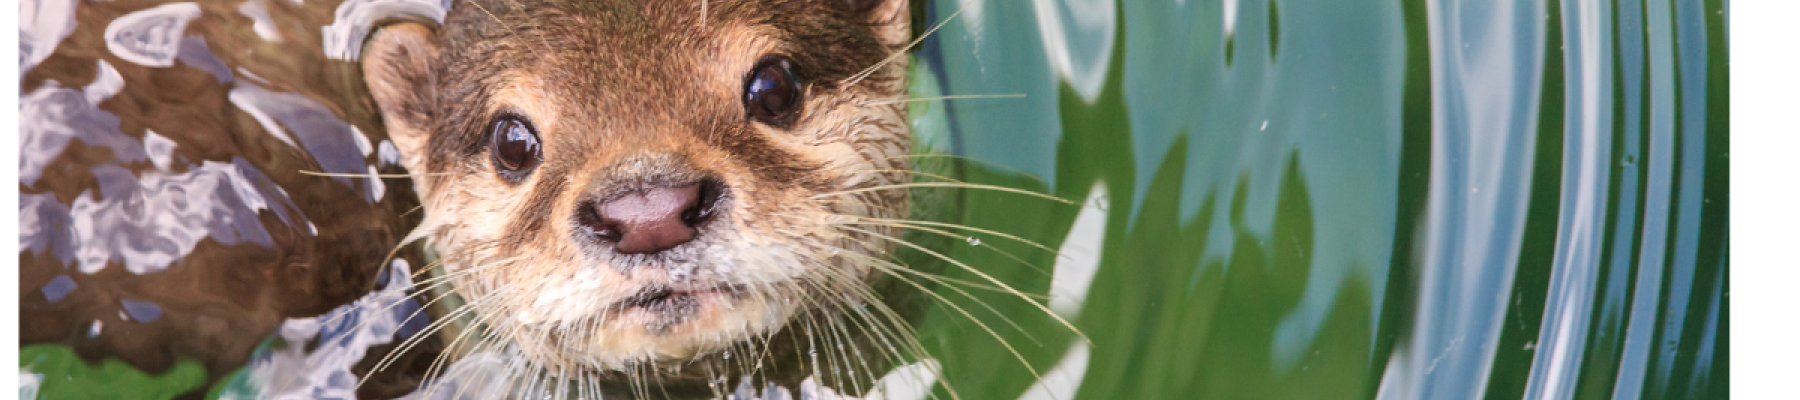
(343, 39)
(306, 124)
(1485, 73)
(150, 37)
(1230, 17)
(1061, 381)
(1568, 304)
(1078, 39)
(258, 12)
(160, 149)
(910, 382)
(43, 24)
(344, 337)
(246, 100)
(1079, 257)
(147, 222)
(106, 84)
(51, 116)
(388, 154)
(29, 383)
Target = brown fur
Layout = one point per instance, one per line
(629, 92)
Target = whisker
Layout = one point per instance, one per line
(439, 363)
(520, 9)
(418, 289)
(946, 185)
(366, 175)
(990, 278)
(971, 284)
(963, 158)
(990, 331)
(915, 225)
(502, 23)
(903, 332)
(903, 171)
(420, 336)
(889, 267)
(852, 81)
(868, 103)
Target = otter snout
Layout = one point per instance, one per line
(651, 220)
(648, 218)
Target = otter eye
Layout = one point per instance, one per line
(515, 148)
(772, 92)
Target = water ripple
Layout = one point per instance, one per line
(343, 338)
(58, 115)
(149, 221)
(303, 123)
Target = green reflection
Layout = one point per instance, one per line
(63, 375)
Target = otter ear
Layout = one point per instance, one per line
(397, 66)
(892, 19)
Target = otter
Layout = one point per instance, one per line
(627, 193)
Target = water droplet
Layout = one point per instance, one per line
(1628, 160)
(94, 330)
(974, 241)
(1265, 125)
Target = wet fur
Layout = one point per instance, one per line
(628, 94)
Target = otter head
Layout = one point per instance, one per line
(612, 184)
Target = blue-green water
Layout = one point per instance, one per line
(1401, 199)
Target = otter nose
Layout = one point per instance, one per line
(651, 220)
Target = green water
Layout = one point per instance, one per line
(1341, 199)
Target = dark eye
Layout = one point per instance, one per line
(772, 93)
(514, 145)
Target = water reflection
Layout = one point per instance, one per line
(343, 39)
(1078, 39)
(317, 354)
(300, 122)
(42, 24)
(150, 37)
(61, 115)
(149, 221)
(1581, 221)
(1485, 59)
(1540, 172)
(165, 232)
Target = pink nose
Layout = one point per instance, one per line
(652, 220)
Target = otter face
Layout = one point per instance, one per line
(616, 183)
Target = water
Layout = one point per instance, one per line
(173, 216)
(1334, 200)
(1272, 199)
